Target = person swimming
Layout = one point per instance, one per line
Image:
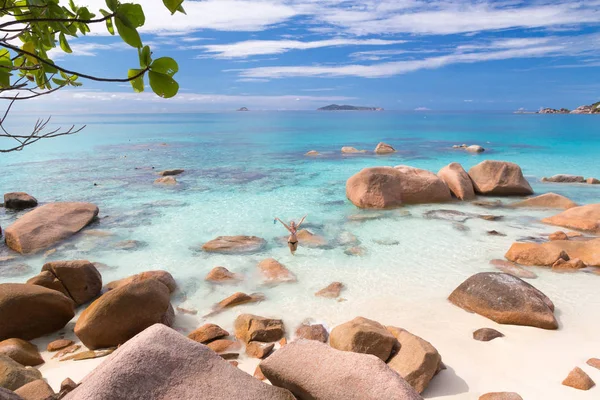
(293, 229)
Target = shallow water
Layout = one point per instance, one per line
(244, 169)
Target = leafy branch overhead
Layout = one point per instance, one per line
(31, 29)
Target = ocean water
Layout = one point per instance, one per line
(244, 169)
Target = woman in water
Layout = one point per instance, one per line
(293, 229)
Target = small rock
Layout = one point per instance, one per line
(239, 298)
(501, 396)
(475, 149)
(488, 203)
(67, 385)
(312, 332)
(21, 351)
(207, 333)
(59, 344)
(592, 181)
(13, 375)
(223, 345)
(67, 350)
(89, 354)
(274, 272)
(357, 251)
(250, 327)
(259, 350)
(351, 150)
(186, 311)
(220, 275)
(19, 201)
(332, 290)
(312, 153)
(579, 380)
(234, 363)
(283, 342)
(129, 245)
(171, 172)
(546, 200)
(571, 265)
(564, 178)
(384, 148)
(166, 180)
(489, 217)
(594, 362)
(36, 390)
(495, 233)
(559, 235)
(486, 334)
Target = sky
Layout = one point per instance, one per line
(302, 54)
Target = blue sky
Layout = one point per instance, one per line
(396, 54)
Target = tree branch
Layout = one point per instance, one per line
(66, 20)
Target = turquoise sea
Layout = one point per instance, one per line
(242, 169)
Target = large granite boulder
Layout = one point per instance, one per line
(122, 313)
(19, 201)
(499, 178)
(162, 276)
(505, 299)
(47, 225)
(13, 375)
(416, 360)
(79, 279)
(546, 254)
(583, 218)
(546, 200)
(29, 311)
(235, 244)
(21, 351)
(314, 371)
(160, 363)
(386, 187)
(458, 181)
(250, 327)
(362, 335)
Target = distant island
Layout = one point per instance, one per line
(335, 107)
(591, 109)
(243, 109)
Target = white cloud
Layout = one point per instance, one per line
(422, 109)
(265, 47)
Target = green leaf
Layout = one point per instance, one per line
(131, 15)
(4, 78)
(5, 68)
(109, 23)
(163, 85)
(165, 65)
(137, 83)
(129, 35)
(112, 4)
(30, 48)
(59, 82)
(173, 5)
(145, 57)
(64, 45)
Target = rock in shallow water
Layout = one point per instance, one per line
(564, 178)
(162, 276)
(274, 272)
(505, 299)
(384, 148)
(47, 225)
(19, 201)
(207, 333)
(499, 178)
(314, 371)
(458, 181)
(584, 218)
(513, 269)
(546, 200)
(235, 245)
(331, 291)
(312, 332)
(36, 390)
(250, 327)
(160, 363)
(546, 254)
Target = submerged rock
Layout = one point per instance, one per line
(47, 225)
(331, 291)
(499, 178)
(333, 375)
(221, 275)
(312, 153)
(584, 218)
(384, 148)
(171, 172)
(351, 150)
(505, 299)
(274, 272)
(513, 269)
(14, 270)
(122, 313)
(166, 180)
(385, 187)
(13, 375)
(578, 379)
(458, 181)
(362, 335)
(447, 215)
(235, 244)
(19, 201)
(546, 200)
(416, 360)
(237, 299)
(564, 178)
(29, 311)
(547, 253)
(21, 351)
(145, 367)
(486, 334)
